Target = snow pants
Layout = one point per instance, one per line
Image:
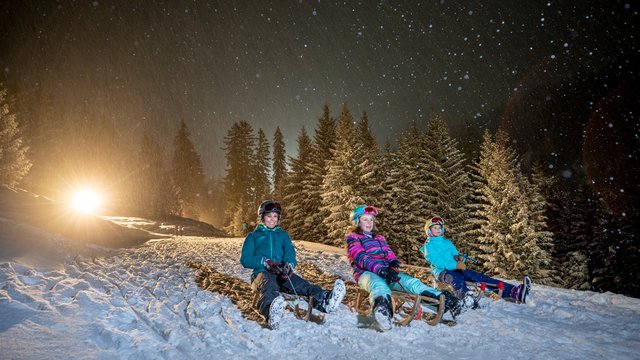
(377, 286)
(458, 279)
(268, 286)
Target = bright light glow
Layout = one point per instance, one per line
(86, 201)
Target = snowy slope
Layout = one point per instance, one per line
(76, 301)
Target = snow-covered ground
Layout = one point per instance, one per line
(71, 301)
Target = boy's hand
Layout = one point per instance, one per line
(272, 266)
(460, 265)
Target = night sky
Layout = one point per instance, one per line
(540, 69)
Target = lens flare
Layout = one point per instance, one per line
(86, 201)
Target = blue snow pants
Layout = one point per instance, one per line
(458, 279)
(377, 286)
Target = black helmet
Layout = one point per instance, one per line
(268, 206)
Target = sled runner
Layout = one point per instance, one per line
(293, 303)
(406, 307)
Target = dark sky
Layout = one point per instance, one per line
(522, 65)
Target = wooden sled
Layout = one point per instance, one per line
(480, 290)
(293, 304)
(406, 307)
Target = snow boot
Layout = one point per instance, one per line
(470, 301)
(382, 313)
(524, 291)
(276, 312)
(452, 304)
(334, 298)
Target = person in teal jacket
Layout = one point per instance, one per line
(449, 266)
(269, 251)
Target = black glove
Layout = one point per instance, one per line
(388, 274)
(394, 264)
(392, 276)
(383, 272)
(287, 271)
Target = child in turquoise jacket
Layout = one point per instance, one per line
(449, 266)
(269, 251)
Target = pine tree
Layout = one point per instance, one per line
(295, 201)
(261, 184)
(279, 165)
(152, 182)
(369, 161)
(448, 183)
(45, 131)
(542, 194)
(404, 196)
(187, 175)
(508, 243)
(322, 149)
(14, 164)
(339, 189)
(240, 143)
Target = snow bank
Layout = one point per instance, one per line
(143, 302)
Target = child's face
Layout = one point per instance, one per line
(436, 230)
(366, 223)
(271, 219)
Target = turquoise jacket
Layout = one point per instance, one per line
(264, 243)
(439, 252)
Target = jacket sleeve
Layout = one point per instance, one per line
(289, 250)
(359, 256)
(247, 257)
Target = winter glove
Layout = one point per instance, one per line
(460, 265)
(392, 276)
(388, 274)
(383, 272)
(287, 271)
(272, 266)
(394, 264)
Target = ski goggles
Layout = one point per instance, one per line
(273, 207)
(370, 210)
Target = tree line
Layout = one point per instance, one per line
(513, 222)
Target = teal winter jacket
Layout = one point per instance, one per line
(264, 243)
(439, 252)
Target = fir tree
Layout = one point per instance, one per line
(369, 161)
(151, 183)
(339, 189)
(45, 131)
(448, 183)
(508, 243)
(14, 164)
(322, 150)
(404, 196)
(295, 200)
(542, 194)
(261, 184)
(279, 165)
(239, 146)
(187, 175)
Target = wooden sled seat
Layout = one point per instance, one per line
(406, 307)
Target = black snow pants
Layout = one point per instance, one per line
(268, 286)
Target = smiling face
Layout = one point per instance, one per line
(270, 220)
(436, 230)
(366, 223)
